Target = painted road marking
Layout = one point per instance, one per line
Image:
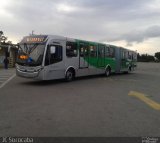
(145, 99)
(3, 84)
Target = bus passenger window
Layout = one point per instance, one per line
(71, 49)
(124, 55)
(101, 51)
(107, 51)
(111, 52)
(93, 51)
(83, 50)
(130, 55)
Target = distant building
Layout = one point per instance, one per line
(9, 51)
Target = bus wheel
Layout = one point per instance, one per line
(107, 72)
(69, 75)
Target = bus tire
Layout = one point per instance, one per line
(69, 75)
(108, 71)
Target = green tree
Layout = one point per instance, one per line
(145, 58)
(157, 55)
(2, 37)
(1, 33)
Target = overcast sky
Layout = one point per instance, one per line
(134, 24)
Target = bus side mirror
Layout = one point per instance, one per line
(53, 49)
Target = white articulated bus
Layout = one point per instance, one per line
(47, 57)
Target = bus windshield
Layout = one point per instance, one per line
(30, 54)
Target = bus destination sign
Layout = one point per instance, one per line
(34, 39)
(31, 39)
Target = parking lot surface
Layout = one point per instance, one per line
(87, 107)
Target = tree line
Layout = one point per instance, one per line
(4, 43)
(3, 39)
(148, 58)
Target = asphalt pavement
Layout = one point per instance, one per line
(6, 75)
(117, 106)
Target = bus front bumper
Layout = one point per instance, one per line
(27, 74)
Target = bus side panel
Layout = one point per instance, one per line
(54, 71)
